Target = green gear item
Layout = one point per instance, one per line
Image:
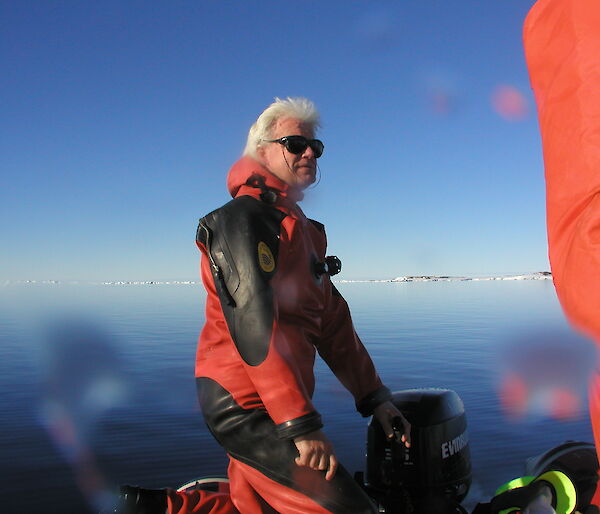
(513, 484)
(563, 491)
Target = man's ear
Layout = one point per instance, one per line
(260, 153)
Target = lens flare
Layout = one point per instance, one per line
(564, 404)
(82, 380)
(545, 373)
(509, 103)
(378, 29)
(513, 395)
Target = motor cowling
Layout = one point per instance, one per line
(435, 472)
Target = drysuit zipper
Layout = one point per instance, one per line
(217, 271)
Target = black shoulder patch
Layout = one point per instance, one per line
(319, 226)
(242, 239)
(335, 292)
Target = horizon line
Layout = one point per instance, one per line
(537, 275)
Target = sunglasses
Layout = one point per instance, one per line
(298, 144)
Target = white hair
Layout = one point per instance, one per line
(296, 108)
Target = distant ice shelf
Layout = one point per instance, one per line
(106, 282)
(539, 275)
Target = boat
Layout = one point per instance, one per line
(434, 475)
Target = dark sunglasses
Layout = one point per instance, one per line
(298, 144)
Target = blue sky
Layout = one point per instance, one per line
(121, 119)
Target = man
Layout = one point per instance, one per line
(270, 305)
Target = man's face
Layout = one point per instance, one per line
(297, 170)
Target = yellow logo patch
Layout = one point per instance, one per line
(265, 258)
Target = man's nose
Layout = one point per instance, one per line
(308, 153)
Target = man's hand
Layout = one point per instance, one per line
(385, 413)
(316, 452)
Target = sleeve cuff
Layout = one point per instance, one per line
(367, 404)
(299, 426)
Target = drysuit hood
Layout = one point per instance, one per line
(249, 173)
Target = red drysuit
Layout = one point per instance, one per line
(562, 46)
(270, 306)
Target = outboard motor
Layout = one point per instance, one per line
(434, 474)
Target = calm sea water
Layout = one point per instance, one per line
(97, 381)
